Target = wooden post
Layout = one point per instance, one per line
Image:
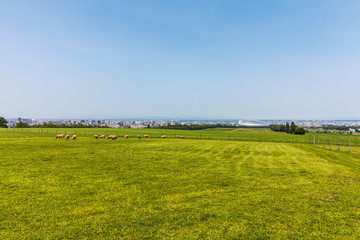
(349, 146)
(330, 144)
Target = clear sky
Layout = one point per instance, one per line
(277, 59)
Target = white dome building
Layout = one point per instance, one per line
(252, 123)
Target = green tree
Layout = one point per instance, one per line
(3, 123)
(22, 125)
(292, 128)
(300, 131)
(287, 128)
(282, 128)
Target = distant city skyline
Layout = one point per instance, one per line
(180, 59)
(174, 119)
(145, 123)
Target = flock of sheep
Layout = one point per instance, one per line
(113, 137)
(67, 137)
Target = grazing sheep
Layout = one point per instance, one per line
(102, 136)
(59, 136)
(182, 137)
(163, 136)
(96, 136)
(126, 136)
(73, 137)
(177, 136)
(139, 137)
(67, 137)
(113, 137)
(146, 136)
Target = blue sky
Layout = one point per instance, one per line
(180, 59)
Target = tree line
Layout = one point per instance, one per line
(288, 128)
(332, 127)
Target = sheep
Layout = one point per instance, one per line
(96, 136)
(139, 137)
(73, 137)
(182, 137)
(126, 136)
(146, 136)
(67, 137)
(113, 137)
(102, 136)
(59, 136)
(163, 136)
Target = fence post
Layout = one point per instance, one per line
(330, 144)
(349, 146)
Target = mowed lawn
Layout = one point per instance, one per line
(175, 189)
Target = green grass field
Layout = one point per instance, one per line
(238, 134)
(177, 188)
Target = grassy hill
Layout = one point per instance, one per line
(176, 189)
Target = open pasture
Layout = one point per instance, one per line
(175, 189)
(237, 134)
